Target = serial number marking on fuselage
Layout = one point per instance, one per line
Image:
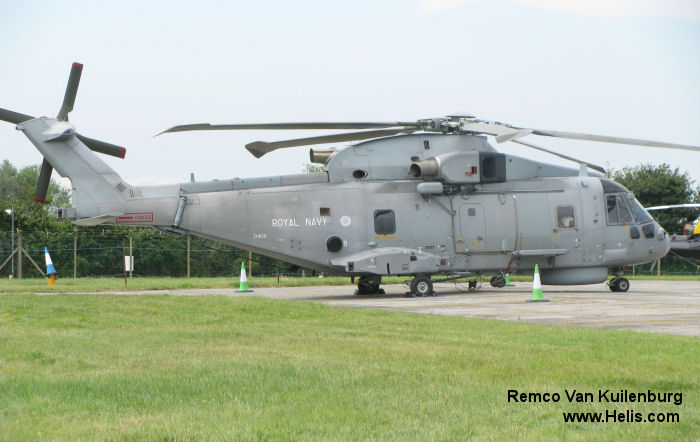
(319, 221)
(259, 235)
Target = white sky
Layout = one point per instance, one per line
(625, 68)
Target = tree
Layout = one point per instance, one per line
(660, 185)
(18, 185)
(17, 189)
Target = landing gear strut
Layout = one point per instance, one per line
(369, 285)
(619, 284)
(498, 281)
(421, 285)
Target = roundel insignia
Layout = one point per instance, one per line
(345, 221)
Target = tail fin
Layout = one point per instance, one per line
(94, 183)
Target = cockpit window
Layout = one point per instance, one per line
(640, 214)
(625, 209)
(611, 201)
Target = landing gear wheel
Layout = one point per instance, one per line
(422, 286)
(498, 281)
(619, 284)
(369, 285)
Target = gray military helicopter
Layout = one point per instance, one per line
(423, 198)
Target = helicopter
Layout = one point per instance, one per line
(429, 199)
(687, 244)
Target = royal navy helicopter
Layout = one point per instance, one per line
(418, 198)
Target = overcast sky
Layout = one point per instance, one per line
(625, 68)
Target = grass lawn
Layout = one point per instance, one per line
(172, 368)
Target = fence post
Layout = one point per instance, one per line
(19, 254)
(75, 255)
(188, 254)
(124, 260)
(131, 257)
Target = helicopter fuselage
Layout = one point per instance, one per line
(347, 221)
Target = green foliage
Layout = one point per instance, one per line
(658, 185)
(19, 185)
(17, 189)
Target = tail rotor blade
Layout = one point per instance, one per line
(13, 117)
(71, 91)
(102, 146)
(42, 186)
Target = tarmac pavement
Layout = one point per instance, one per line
(671, 307)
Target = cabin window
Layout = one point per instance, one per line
(565, 217)
(325, 211)
(384, 222)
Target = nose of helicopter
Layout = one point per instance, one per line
(665, 238)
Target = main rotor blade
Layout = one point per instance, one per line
(71, 91)
(260, 148)
(285, 126)
(674, 206)
(42, 186)
(103, 147)
(13, 117)
(608, 139)
(561, 155)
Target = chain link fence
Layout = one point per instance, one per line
(96, 253)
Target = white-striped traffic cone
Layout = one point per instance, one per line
(537, 287)
(244, 280)
(50, 269)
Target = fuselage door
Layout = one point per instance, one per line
(472, 229)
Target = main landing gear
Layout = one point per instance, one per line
(422, 285)
(498, 281)
(369, 285)
(619, 284)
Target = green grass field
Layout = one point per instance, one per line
(102, 366)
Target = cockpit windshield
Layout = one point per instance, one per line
(623, 208)
(641, 215)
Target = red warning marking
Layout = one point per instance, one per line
(140, 217)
